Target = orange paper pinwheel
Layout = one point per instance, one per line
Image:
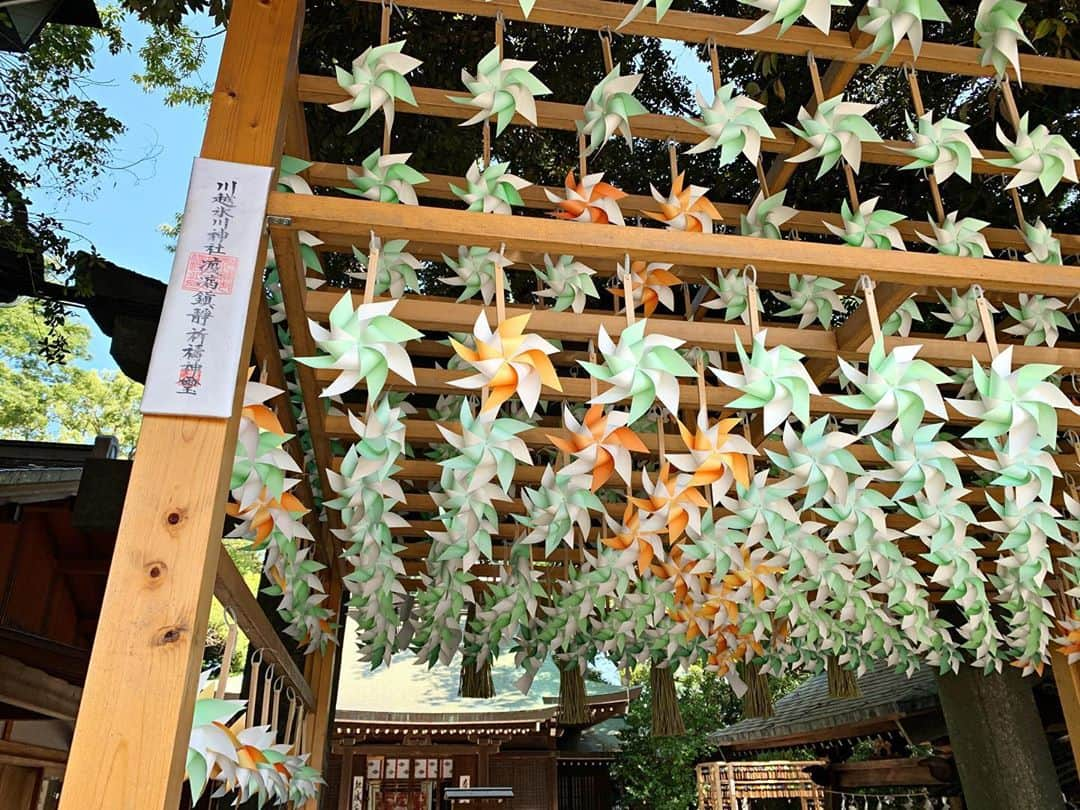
(601, 445)
(591, 200)
(260, 513)
(714, 450)
(672, 498)
(686, 208)
(632, 535)
(651, 283)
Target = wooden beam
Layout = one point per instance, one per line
(132, 732)
(31, 756)
(37, 690)
(899, 772)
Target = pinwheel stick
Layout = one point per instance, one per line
(226, 655)
(384, 38)
(1013, 114)
(673, 162)
(866, 284)
(753, 301)
(628, 290)
(819, 97)
(500, 291)
(372, 269)
(987, 320)
(920, 111)
(661, 444)
(264, 702)
(703, 405)
(279, 684)
(290, 727)
(582, 148)
(605, 44)
(593, 393)
(499, 30)
(256, 663)
(714, 65)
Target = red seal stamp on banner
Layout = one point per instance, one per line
(210, 273)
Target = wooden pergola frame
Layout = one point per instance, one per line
(136, 707)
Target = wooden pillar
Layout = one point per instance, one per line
(348, 757)
(1067, 679)
(135, 717)
(998, 740)
(324, 674)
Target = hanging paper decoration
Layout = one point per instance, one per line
(1029, 472)
(488, 446)
(715, 456)
(867, 227)
(591, 200)
(919, 462)
(958, 237)
(812, 298)
(1036, 154)
(786, 12)
(557, 508)
(836, 129)
(637, 539)
(385, 178)
(567, 281)
(900, 320)
(733, 124)
(651, 283)
(998, 32)
(766, 215)
(731, 295)
(364, 345)
(642, 368)
(609, 109)
(962, 311)
(502, 88)
(889, 21)
(377, 80)
(943, 146)
(818, 461)
(474, 271)
(508, 361)
(1038, 319)
(600, 445)
(686, 208)
(290, 179)
(1043, 246)
(396, 270)
(491, 190)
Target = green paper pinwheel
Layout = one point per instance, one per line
(836, 129)
(958, 237)
(502, 88)
(491, 190)
(377, 80)
(942, 146)
(609, 109)
(396, 271)
(474, 271)
(553, 511)
(962, 311)
(998, 32)
(761, 511)
(1043, 246)
(1030, 472)
(732, 295)
(385, 178)
(1038, 319)
(900, 319)
(897, 387)
(889, 21)
(766, 215)
(867, 227)
(919, 463)
(642, 368)
(772, 380)
(290, 179)
(488, 447)
(733, 124)
(209, 744)
(1036, 154)
(817, 461)
(812, 298)
(364, 344)
(567, 281)
(785, 13)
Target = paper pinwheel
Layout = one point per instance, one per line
(364, 344)
(772, 380)
(818, 461)
(686, 208)
(900, 319)
(488, 447)
(502, 88)
(920, 462)
(650, 283)
(897, 387)
(567, 281)
(642, 368)
(1036, 154)
(785, 12)
(1043, 247)
(958, 237)
(385, 178)
(209, 743)
(260, 461)
(290, 179)
(889, 21)
(943, 146)
(609, 109)
(377, 80)
(557, 508)
(867, 227)
(731, 295)
(962, 311)
(396, 271)
(508, 361)
(998, 32)
(639, 6)
(1038, 319)
(716, 455)
(812, 298)
(766, 215)
(761, 509)
(1029, 472)
(591, 200)
(836, 129)
(475, 270)
(491, 190)
(671, 498)
(733, 124)
(637, 537)
(600, 444)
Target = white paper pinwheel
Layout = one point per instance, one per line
(812, 298)
(785, 13)
(557, 508)
(491, 190)
(474, 271)
(396, 271)
(1038, 319)
(732, 295)
(260, 462)
(385, 178)
(377, 80)
(609, 109)
(958, 236)
(998, 32)
(962, 311)
(818, 461)
(210, 743)
(900, 319)
(567, 281)
(1036, 154)
(766, 215)
(1029, 472)
(942, 146)
(733, 124)
(502, 88)
(867, 227)
(836, 129)
(897, 387)
(761, 510)
(1020, 404)
(364, 344)
(772, 380)
(920, 462)
(642, 368)
(889, 21)
(488, 447)
(1043, 246)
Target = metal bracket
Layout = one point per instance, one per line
(283, 221)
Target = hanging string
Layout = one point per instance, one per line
(920, 111)
(226, 655)
(987, 319)
(714, 65)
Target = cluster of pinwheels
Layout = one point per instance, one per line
(245, 761)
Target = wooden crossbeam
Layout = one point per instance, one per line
(37, 691)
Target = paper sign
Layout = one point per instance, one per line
(193, 369)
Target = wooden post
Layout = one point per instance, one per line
(1067, 680)
(131, 735)
(325, 669)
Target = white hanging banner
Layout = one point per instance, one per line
(197, 349)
